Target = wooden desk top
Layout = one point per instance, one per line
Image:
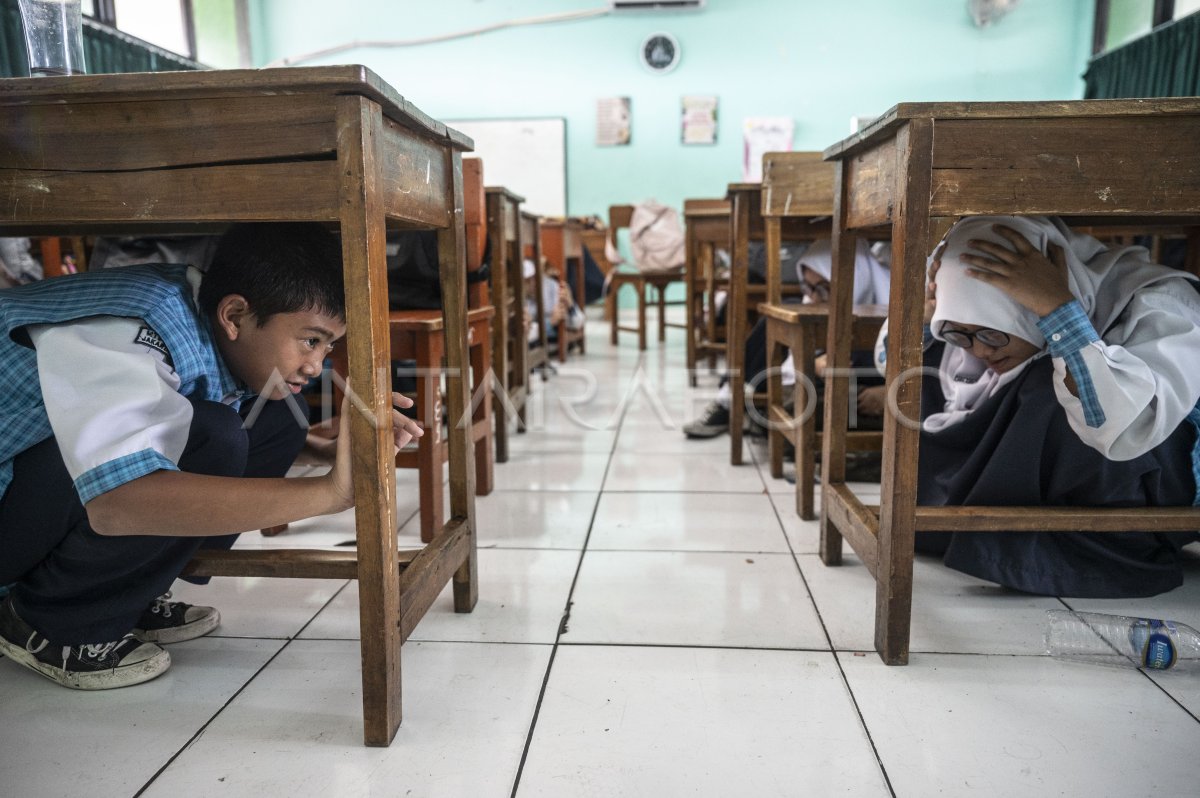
(797, 184)
(506, 193)
(886, 125)
(140, 86)
(736, 187)
(1120, 160)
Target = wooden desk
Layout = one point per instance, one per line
(510, 344)
(531, 247)
(747, 224)
(1128, 162)
(706, 229)
(191, 151)
(562, 246)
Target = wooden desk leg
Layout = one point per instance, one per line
(898, 489)
(452, 258)
(430, 446)
(500, 292)
(690, 302)
(735, 323)
(520, 338)
(581, 297)
(803, 408)
(481, 370)
(364, 262)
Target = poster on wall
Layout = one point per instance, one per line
(699, 119)
(763, 134)
(612, 121)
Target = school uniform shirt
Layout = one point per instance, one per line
(111, 388)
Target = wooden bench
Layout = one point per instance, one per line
(1093, 162)
(797, 189)
(706, 229)
(510, 344)
(186, 152)
(562, 247)
(619, 217)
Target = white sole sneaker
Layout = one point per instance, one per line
(144, 663)
(203, 620)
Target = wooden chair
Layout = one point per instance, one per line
(562, 247)
(510, 345)
(706, 229)
(1093, 162)
(420, 335)
(798, 188)
(531, 248)
(619, 217)
(345, 149)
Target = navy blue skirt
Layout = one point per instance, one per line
(1018, 449)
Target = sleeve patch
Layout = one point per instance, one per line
(149, 338)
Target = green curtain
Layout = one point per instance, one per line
(104, 50)
(1164, 63)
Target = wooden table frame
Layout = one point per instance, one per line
(186, 152)
(1096, 162)
(706, 229)
(510, 345)
(531, 247)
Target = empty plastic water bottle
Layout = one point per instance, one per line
(1122, 641)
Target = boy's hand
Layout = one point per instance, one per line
(1023, 272)
(404, 429)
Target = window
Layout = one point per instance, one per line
(209, 31)
(1121, 21)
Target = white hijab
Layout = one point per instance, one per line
(1103, 281)
(872, 280)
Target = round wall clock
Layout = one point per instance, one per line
(660, 52)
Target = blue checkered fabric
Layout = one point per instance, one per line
(160, 295)
(1068, 330)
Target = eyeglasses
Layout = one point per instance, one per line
(817, 292)
(985, 336)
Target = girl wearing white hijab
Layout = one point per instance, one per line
(872, 281)
(1069, 375)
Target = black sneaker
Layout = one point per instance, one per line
(712, 423)
(166, 621)
(102, 666)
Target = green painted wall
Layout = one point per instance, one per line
(819, 62)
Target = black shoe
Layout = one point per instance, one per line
(102, 666)
(167, 621)
(712, 423)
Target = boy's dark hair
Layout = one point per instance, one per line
(279, 268)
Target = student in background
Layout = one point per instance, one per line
(872, 281)
(559, 304)
(1068, 374)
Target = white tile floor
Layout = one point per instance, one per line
(651, 622)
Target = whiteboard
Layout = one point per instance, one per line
(526, 156)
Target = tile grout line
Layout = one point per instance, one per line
(836, 659)
(204, 726)
(537, 708)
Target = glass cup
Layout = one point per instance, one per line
(53, 36)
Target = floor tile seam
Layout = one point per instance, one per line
(688, 646)
(537, 708)
(838, 663)
(204, 726)
(694, 551)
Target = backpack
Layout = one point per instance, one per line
(656, 238)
